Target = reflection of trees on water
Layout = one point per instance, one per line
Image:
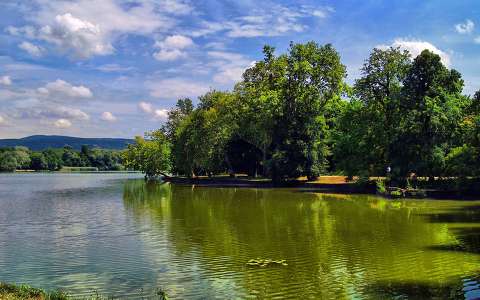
(334, 245)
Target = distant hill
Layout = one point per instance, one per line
(41, 142)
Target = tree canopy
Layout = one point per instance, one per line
(293, 115)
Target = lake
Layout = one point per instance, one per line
(122, 237)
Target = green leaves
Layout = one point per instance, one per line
(150, 155)
(289, 117)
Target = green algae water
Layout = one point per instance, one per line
(122, 237)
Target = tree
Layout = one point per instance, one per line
(53, 159)
(464, 158)
(8, 161)
(183, 109)
(22, 157)
(38, 161)
(351, 151)
(430, 110)
(202, 138)
(259, 102)
(150, 155)
(379, 90)
(176, 116)
(71, 158)
(314, 77)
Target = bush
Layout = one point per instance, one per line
(396, 194)
(20, 292)
(381, 189)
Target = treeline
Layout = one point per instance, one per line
(21, 158)
(293, 115)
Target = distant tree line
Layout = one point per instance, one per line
(21, 158)
(293, 115)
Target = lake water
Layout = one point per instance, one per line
(117, 235)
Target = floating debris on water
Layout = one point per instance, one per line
(259, 262)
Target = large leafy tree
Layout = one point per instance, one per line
(430, 110)
(53, 159)
(260, 102)
(464, 158)
(313, 78)
(368, 124)
(201, 138)
(8, 161)
(379, 90)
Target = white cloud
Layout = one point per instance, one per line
(62, 123)
(2, 121)
(161, 114)
(175, 7)
(169, 55)
(320, 13)
(32, 49)
(207, 28)
(114, 68)
(229, 66)
(175, 88)
(5, 80)
(146, 107)
(27, 31)
(466, 27)
(171, 48)
(108, 116)
(63, 88)
(51, 111)
(415, 47)
(276, 20)
(69, 33)
(86, 28)
(67, 112)
(175, 42)
(477, 40)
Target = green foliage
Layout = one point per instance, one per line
(150, 155)
(24, 292)
(462, 161)
(431, 108)
(8, 161)
(12, 159)
(381, 189)
(351, 151)
(369, 123)
(38, 161)
(292, 115)
(314, 76)
(21, 158)
(396, 194)
(201, 139)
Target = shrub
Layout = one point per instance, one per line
(381, 189)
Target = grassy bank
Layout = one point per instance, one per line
(14, 292)
(26, 292)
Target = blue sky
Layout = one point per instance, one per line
(113, 68)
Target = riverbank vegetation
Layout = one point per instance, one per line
(293, 115)
(22, 158)
(25, 292)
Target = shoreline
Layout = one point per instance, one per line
(336, 187)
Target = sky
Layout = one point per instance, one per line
(113, 68)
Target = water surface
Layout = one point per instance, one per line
(122, 237)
